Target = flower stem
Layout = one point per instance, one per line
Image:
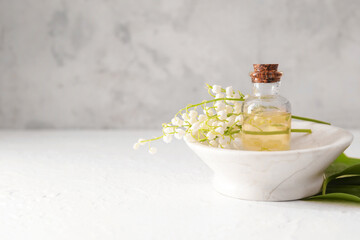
(309, 119)
(301, 130)
(152, 139)
(208, 101)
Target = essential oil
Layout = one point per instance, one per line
(267, 115)
(266, 131)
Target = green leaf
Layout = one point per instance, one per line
(340, 164)
(336, 196)
(348, 189)
(346, 181)
(354, 170)
(343, 158)
(342, 180)
(349, 185)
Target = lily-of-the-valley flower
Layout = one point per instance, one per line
(219, 124)
(152, 150)
(216, 89)
(179, 133)
(167, 138)
(214, 126)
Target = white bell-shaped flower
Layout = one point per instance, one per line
(210, 136)
(239, 119)
(222, 115)
(229, 92)
(219, 95)
(152, 150)
(216, 89)
(167, 138)
(202, 117)
(220, 130)
(193, 114)
(136, 146)
(220, 105)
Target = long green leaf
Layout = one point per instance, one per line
(350, 171)
(340, 164)
(342, 180)
(336, 196)
(348, 189)
(355, 180)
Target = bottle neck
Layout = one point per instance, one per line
(263, 89)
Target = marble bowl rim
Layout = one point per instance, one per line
(347, 138)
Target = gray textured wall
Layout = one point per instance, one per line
(133, 63)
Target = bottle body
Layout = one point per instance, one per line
(267, 119)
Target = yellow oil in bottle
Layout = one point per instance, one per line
(266, 131)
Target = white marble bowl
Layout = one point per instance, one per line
(277, 175)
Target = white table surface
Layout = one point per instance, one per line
(92, 185)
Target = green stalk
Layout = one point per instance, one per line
(277, 132)
(150, 140)
(309, 119)
(266, 133)
(208, 101)
(301, 130)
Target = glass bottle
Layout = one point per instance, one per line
(267, 115)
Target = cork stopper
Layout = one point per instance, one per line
(265, 73)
